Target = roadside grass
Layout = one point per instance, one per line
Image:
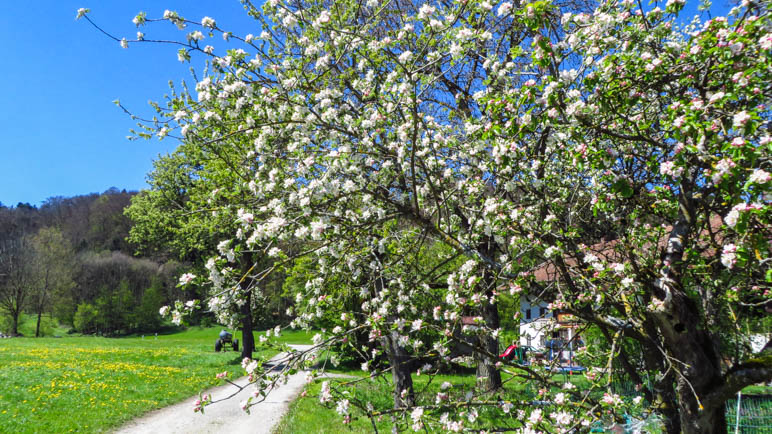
(307, 415)
(92, 384)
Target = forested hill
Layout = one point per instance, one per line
(70, 258)
(89, 222)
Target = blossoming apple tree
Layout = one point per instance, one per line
(615, 163)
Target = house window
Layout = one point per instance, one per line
(528, 314)
(542, 311)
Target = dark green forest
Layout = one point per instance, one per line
(70, 259)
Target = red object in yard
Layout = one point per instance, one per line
(509, 352)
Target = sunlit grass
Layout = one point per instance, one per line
(91, 384)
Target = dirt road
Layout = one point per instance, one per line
(222, 417)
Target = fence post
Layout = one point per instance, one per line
(737, 416)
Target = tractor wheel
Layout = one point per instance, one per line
(235, 344)
(217, 346)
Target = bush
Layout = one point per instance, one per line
(86, 318)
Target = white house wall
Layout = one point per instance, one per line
(536, 327)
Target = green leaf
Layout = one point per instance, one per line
(622, 187)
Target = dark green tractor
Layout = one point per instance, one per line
(226, 339)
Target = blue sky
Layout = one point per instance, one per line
(61, 133)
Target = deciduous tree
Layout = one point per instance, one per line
(616, 163)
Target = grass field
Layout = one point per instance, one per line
(91, 384)
(307, 415)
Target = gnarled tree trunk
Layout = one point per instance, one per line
(488, 376)
(399, 360)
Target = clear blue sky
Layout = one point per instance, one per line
(60, 133)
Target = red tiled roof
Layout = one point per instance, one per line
(606, 251)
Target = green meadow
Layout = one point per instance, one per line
(92, 384)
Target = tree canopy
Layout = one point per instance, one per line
(614, 162)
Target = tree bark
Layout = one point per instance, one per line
(666, 403)
(488, 376)
(695, 420)
(37, 327)
(15, 323)
(685, 338)
(247, 338)
(399, 360)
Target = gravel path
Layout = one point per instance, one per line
(222, 417)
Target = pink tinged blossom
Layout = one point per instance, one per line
(535, 416)
(760, 176)
(245, 217)
(723, 167)
(738, 142)
(766, 41)
(504, 9)
(679, 121)
(416, 325)
(610, 399)
(425, 11)
(716, 97)
(732, 217)
(187, 278)
(317, 228)
(729, 256)
(562, 418)
(324, 17)
(343, 407)
(560, 398)
(455, 50)
(164, 311)
(740, 119)
(506, 407)
(669, 168)
(416, 415)
(736, 48)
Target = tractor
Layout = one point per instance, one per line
(226, 338)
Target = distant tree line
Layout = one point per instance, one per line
(100, 265)
(70, 258)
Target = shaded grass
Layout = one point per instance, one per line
(308, 415)
(28, 323)
(91, 384)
